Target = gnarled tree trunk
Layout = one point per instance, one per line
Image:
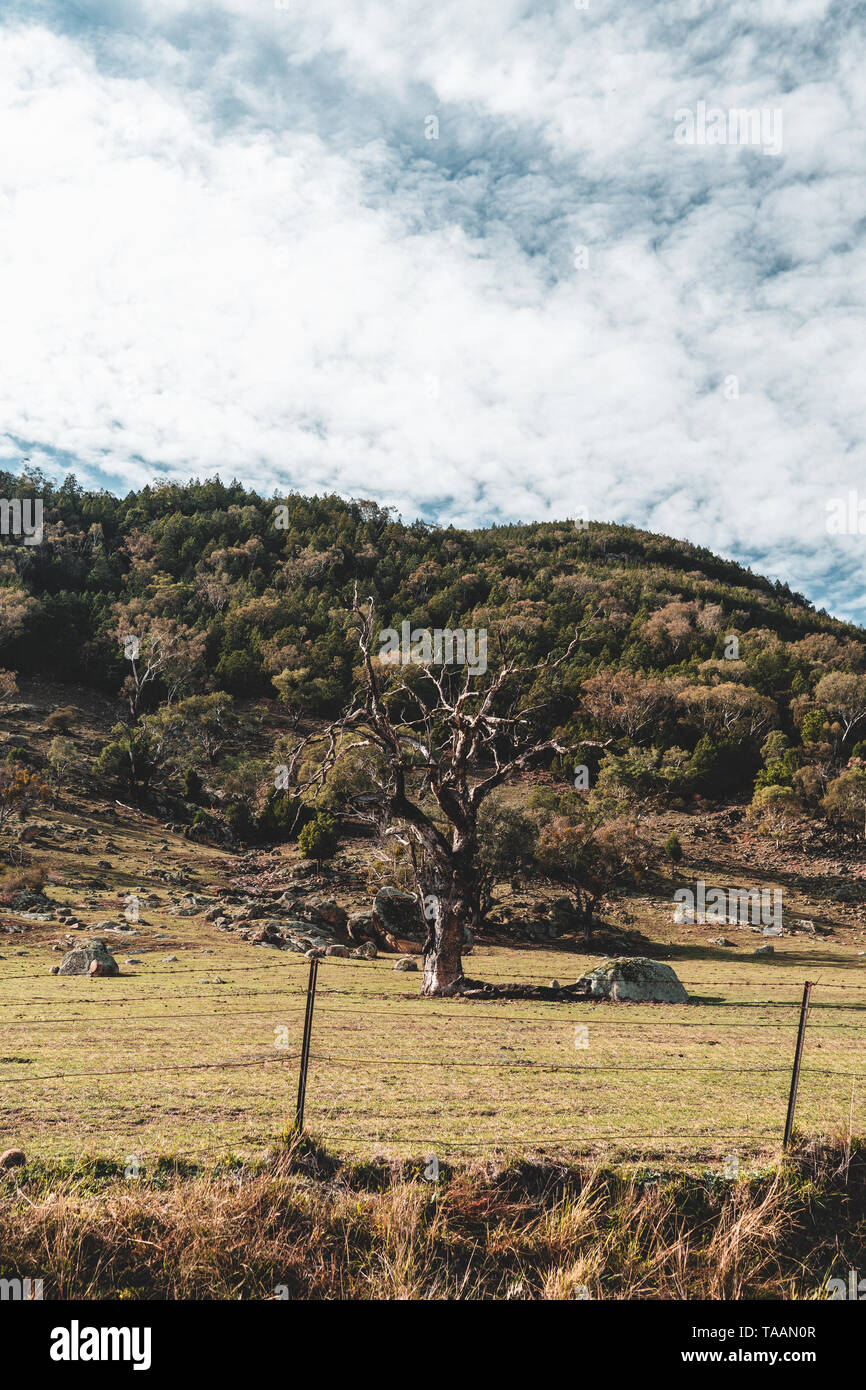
(443, 964)
(448, 899)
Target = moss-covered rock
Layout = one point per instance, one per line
(634, 978)
(83, 959)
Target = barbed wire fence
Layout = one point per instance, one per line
(310, 1014)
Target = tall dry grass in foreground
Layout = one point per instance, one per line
(310, 1226)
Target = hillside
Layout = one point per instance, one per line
(263, 582)
(691, 671)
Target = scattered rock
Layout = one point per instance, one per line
(767, 950)
(169, 960)
(396, 913)
(250, 912)
(405, 964)
(270, 935)
(633, 978)
(366, 951)
(340, 951)
(360, 926)
(82, 959)
(13, 1158)
(327, 911)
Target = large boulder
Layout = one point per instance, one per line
(325, 910)
(269, 935)
(360, 926)
(397, 914)
(82, 959)
(563, 917)
(248, 912)
(633, 978)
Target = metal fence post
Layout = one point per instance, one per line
(305, 1046)
(798, 1055)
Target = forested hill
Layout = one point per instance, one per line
(256, 594)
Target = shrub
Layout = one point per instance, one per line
(318, 839)
(192, 784)
(775, 808)
(846, 796)
(8, 686)
(60, 721)
(128, 758)
(780, 762)
(21, 881)
(507, 841)
(239, 819)
(20, 791)
(673, 848)
(113, 762)
(61, 759)
(280, 816)
(720, 765)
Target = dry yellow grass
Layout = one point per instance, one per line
(306, 1226)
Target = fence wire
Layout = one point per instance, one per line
(337, 1004)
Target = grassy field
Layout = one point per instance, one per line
(166, 1060)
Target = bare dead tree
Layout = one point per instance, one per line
(442, 746)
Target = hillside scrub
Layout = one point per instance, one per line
(693, 676)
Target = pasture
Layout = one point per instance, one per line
(199, 1058)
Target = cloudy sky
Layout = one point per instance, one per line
(466, 260)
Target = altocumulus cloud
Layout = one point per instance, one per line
(228, 244)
